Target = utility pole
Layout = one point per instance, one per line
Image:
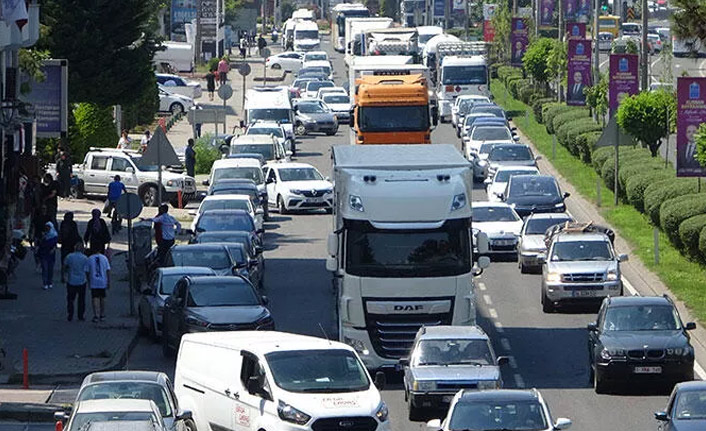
(537, 15)
(447, 14)
(596, 60)
(645, 57)
(197, 39)
(561, 20)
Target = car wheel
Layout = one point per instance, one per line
(523, 267)
(332, 132)
(266, 215)
(189, 425)
(599, 384)
(547, 305)
(149, 196)
(276, 66)
(300, 130)
(76, 191)
(280, 204)
(458, 133)
(176, 108)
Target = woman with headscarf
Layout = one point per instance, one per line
(47, 254)
(68, 238)
(97, 233)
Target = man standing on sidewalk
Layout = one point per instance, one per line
(98, 272)
(64, 170)
(261, 44)
(115, 190)
(75, 267)
(168, 227)
(190, 158)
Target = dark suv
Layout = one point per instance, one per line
(639, 338)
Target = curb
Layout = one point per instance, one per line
(29, 412)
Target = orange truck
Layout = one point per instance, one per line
(392, 109)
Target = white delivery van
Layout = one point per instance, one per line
(270, 104)
(175, 57)
(275, 381)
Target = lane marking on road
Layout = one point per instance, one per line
(702, 66)
(499, 328)
(512, 362)
(493, 313)
(481, 285)
(486, 299)
(699, 371)
(629, 286)
(506, 344)
(519, 382)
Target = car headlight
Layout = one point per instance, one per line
(458, 202)
(488, 384)
(173, 183)
(357, 345)
(193, 321)
(553, 277)
(382, 413)
(296, 192)
(608, 354)
(612, 275)
(423, 386)
(328, 191)
(290, 414)
(356, 203)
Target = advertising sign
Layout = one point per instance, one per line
(583, 10)
(691, 112)
(519, 39)
(49, 99)
(546, 14)
(488, 29)
(623, 79)
(575, 30)
(183, 12)
(579, 76)
(459, 6)
(570, 9)
(439, 8)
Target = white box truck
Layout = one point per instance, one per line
(355, 28)
(401, 249)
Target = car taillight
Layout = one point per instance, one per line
(449, 88)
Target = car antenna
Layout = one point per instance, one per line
(324, 332)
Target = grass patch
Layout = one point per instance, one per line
(683, 277)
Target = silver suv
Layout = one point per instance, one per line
(444, 360)
(580, 266)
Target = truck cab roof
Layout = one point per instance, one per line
(402, 157)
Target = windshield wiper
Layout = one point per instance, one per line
(476, 363)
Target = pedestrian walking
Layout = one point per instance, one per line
(145, 141)
(223, 69)
(47, 254)
(75, 267)
(190, 158)
(210, 83)
(261, 44)
(50, 197)
(124, 142)
(168, 228)
(115, 190)
(69, 238)
(64, 171)
(97, 234)
(289, 46)
(243, 46)
(98, 275)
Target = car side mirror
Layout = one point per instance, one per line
(253, 262)
(205, 182)
(503, 360)
(661, 416)
(184, 415)
(380, 380)
(265, 299)
(288, 153)
(130, 170)
(538, 158)
(593, 326)
(258, 249)
(509, 119)
(500, 196)
(623, 257)
(259, 231)
(331, 264)
(690, 326)
(351, 119)
(434, 425)
(516, 138)
(562, 424)
(542, 257)
(566, 195)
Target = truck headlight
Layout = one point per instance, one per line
(356, 203)
(612, 275)
(357, 345)
(174, 183)
(382, 413)
(488, 384)
(553, 277)
(423, 386)
(290, 414)
(458, 202)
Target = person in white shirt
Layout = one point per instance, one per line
(145, 141)
(124, 141)
(98, 272)
(167, 228)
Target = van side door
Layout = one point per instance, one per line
(255, 396)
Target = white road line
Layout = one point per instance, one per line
(493, 313)
(513, 363)
(699, 371)
(499, 327)
(486, 299)
(481, 285)
(518, 381)
(629, 287)
(702, 68)
(506, 344)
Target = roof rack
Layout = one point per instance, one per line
(575, 227)
(461, 49)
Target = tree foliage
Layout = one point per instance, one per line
(535, 59)
(388, 8)
(645, 115)
(502, 23)
(94, 127)
(557, 61)
(597, 96)
(287, 9)
(701, 144)
(689, 19)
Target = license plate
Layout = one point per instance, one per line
(447, 398)
(584, 293)
(503, 242)
(312, 200)
(647, 370)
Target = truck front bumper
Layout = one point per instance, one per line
(360, 341)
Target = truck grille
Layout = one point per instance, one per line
(356, 423)
(583, 277)
(189, 185)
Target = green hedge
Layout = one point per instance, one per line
(608, 169)
(689, 231)
(539, 104)
(702, 243)
(637, 165)
(552, 111)
(504, 71)
(568, 116)
(672, 213)
(599, 156)
(568, 134)
(517, 83)
(656, 194)
(553, 114)
(635, 186)
(585, 143)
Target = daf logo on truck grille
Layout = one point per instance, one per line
(409, 307)
(417, 307)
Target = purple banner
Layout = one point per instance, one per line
(623, 79)
(583, 10)
(519, 39)
(576, 30)
(579, 77)
(570, 7)
(546, 16)
(691, 112)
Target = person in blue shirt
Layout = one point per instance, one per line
(115, 190)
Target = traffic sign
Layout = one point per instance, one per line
(225, 92)
(244, 69)
(129, 205)
(265, 52)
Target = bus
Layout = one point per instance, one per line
(609, 24)
(339, 13)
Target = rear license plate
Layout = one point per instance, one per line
(584, 293)
(447, 398)
(647, 370)
(503, 242)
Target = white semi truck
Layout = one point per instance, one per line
(355, 28)
(461, 69)
(401, 249)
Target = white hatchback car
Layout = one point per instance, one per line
(297, 186)
(340, 104)
(496, 185)
(315, 56)
(228, 202)
(501, 223)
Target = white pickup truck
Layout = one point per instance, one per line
(101, 165)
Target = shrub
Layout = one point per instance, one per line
(702, 244)
(538, 105)
(657, 193)
(568, 133)
(608, 169)
(635, 186)
(504, 71)
(514, 83)
(585, 142)
(672, 213)
(565, 117)
(552, 111)
(527, 93)
(635, 164)
(206, 154)
(600, 155)
(689, 231)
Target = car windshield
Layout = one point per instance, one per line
(486, 148)
(225, 204)
(465, 105)
(299, 174)
(337, 98)
(498, 415)
(214, 258)
(237, 251)
(274, 114)
(266, 131)
(315, 57)
(464, 75)
(469, 120)
(581, 250)
(508, 153)
(221, 222)
(252, 193)
(491, 110)
(129, 390)
(491, 134)
(315, 85)
(538, 226)
(302, 83)
(641, 318)
(247, 172)
(221, 295)
(306, 34)
(311, 108)
(137, 160)
(266, 150)
(503, 176)
(690, 405)
(539, 186)
(82, 421)
(393, 118)
(490, 214)
(318, 371)
(449, 351)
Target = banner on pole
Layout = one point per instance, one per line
(579, 76)
(519, 39)
(691, 113)
(623, 79)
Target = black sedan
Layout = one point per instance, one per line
(639, 338)
(246, 265)
(686, 408)
(529, 194)
(201, 304)
(251, 242)
(218, 257)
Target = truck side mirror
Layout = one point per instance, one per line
(332, 244)
(482, 242)
(351, 119)
(380, 380)
(435, 115)
(331, 264)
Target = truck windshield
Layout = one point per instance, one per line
(462, 75)
(394, 118)
(408, 253)
(306, 34)
(318, 371)
(278, 115)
